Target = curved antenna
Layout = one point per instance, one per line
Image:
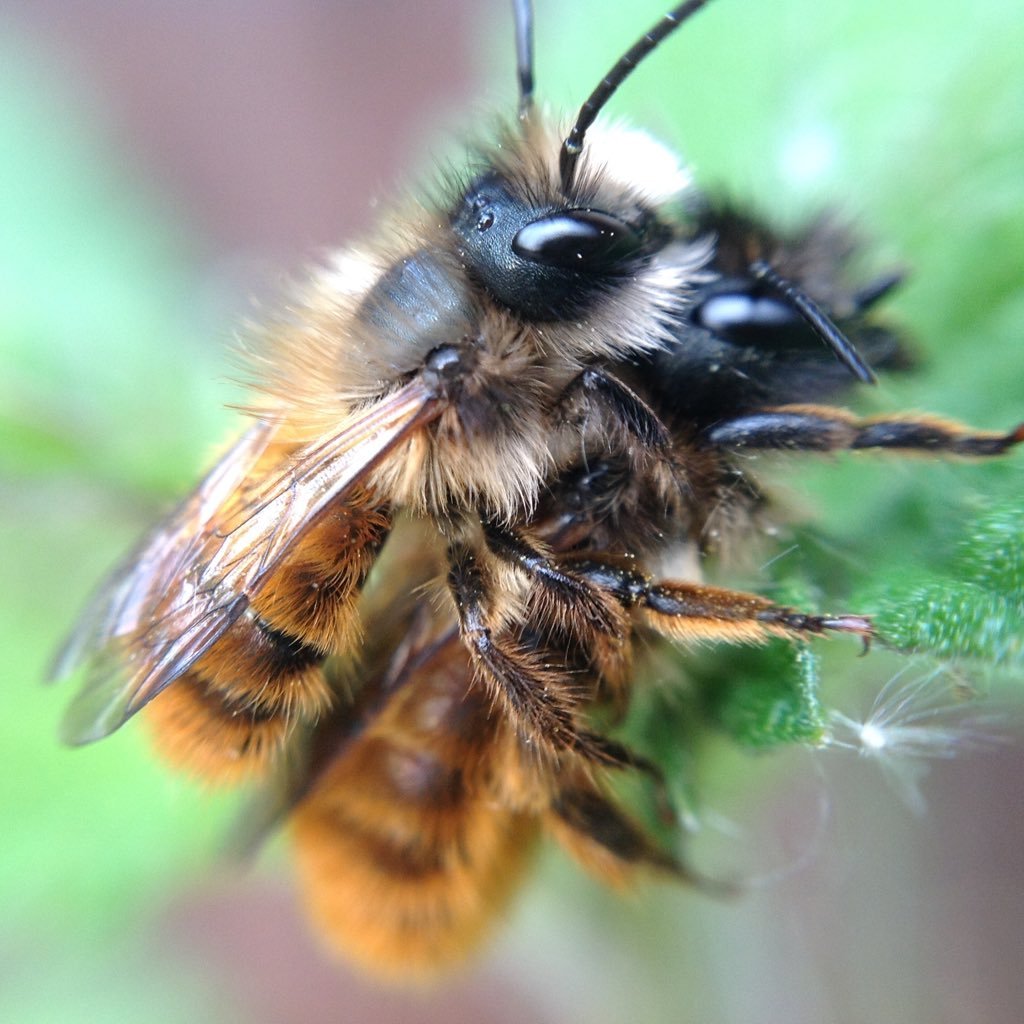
(523, 10)
(817, 319)
(573, 144)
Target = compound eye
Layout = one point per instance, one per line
(736, 311)
(585, 240)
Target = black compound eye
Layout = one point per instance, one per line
(545, 263)
(585, 240)
(739, 310)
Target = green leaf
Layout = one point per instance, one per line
(763, 697)
(993, 553)
(976, 610)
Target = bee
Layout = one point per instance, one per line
(488, 452)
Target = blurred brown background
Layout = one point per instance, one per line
(274, 124)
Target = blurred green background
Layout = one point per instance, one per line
(163, 166)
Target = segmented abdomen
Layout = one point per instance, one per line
(228, 717)
(405, 850)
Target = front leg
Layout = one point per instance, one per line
(626, 412)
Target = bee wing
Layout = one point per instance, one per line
(197, 574)
(118, 605)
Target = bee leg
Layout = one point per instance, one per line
(571, 599)
(609, 844)
(617, 755)
(595, 622)
(825, 429)
(683, 610)
(607, 496)
(537, 698)
(597, 834)
(695, 612)
(582, 500)
(595, 388)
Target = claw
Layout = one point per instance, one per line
(858, 624)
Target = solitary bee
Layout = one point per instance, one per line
(488, 452)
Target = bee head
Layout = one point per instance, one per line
(549, 261)
(546, 260)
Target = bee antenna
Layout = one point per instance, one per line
(817, 319)
(524, 54)
(573, 144)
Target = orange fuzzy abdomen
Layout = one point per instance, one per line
(228, 717)
(404, 850)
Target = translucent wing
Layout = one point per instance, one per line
(198, 572)
(121, 603)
